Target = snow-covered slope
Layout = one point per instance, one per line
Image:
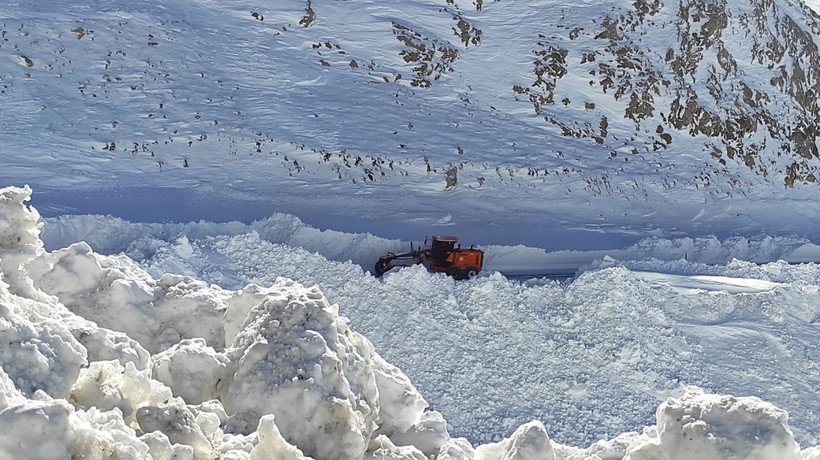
(235, 111)
(706, 98)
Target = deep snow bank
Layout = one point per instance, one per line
(104, 361)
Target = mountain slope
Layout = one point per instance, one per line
(643, 95)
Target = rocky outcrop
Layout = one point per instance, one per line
(704, 85)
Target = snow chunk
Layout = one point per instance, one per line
(239, 306)
(9, 394)
(179, 424)
(40, 355)
(111, 291)
(381, 447)
(160, 447)
(237, 446)
(529, 442)
(718, 427)
(295, 359)
(74, 271)
(107, 385)
(121, 296)
(105, 345)
(272, 444)
(191, 369)
(19, 224)
(36, 429)
(401, 404)
(605, 449)
(456, 449)
(812, 453)
(192, 308)
(104, 434)
(429, 434)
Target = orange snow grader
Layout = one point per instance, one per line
(443, 256)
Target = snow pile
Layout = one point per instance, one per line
(173, 368)
(286, 378)
(713, 427)
(529, 442)
(295, 344)
(695, 426)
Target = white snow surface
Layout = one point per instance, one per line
(107, 360)
(216, 179)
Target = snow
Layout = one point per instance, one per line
(717, 427)
(529, 442)
(188, 275)
(274, 370)
(190, 369)
(456, 340)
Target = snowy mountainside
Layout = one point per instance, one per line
(433, 94)
(734, 81)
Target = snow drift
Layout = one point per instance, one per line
(100, 360)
